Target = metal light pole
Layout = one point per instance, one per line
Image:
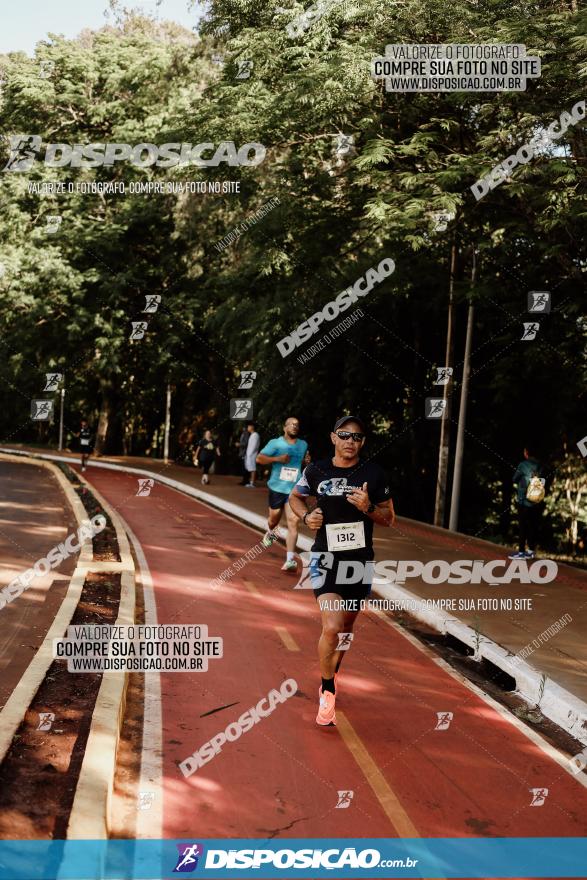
(167, 425)
(444, 448)
(460, 444)
(61, 416)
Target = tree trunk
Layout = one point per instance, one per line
(108, 434)
(444, 447)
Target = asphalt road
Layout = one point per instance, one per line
(410, 772)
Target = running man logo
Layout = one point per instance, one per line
(247, 377)
(139, 329)
(241, 409)
(52, 381)
(435, 408)
(46, 69)
(315, 564)
(152, 301)
(245, 67)
(344, 800)
(20, 158)
(187, 860)
(46, 719)
(344, 641)
(441, 219)
(444, 719)
(335, 486)
(345, 144)
(539, 795)
(145, 486)
(530, 331)
(443, 375)
(146, 799)
(53, 222)
(539, 301)
(41, 410)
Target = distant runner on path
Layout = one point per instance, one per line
(286, 455)
(84, 436)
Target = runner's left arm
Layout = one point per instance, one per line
(378, 497)
(384, 513)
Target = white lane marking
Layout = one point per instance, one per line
(149, 821)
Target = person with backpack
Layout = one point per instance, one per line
(530, 492)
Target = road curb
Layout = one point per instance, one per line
(559, 705)
(556, 703)
(89, 817)
(15, 708)
(90, 812)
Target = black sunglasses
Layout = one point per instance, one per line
(346, 435)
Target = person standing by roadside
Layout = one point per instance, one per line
(253, 444)
(206, 451)
(85, 442)
(530, 492)
(242, 452)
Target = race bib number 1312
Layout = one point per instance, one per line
(345, 536)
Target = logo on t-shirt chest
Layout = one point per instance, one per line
(336, 486)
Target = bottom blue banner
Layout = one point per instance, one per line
(353, 857)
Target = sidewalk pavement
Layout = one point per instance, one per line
(553, 669)
(34, 517)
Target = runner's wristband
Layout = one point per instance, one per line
(307, 513)
(371, 508)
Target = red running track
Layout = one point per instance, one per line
(281, 778)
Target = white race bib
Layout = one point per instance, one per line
(85, 442)
(288, 475)
(345, 536)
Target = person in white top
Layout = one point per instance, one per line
(251, 455)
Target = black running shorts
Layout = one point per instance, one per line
(328, 575)
(277, 500)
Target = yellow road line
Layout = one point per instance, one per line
(251, 587)
(387, 798)
(287, 639)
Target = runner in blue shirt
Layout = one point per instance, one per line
(287, 455)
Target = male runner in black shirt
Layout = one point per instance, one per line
(352, 495)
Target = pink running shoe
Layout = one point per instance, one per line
(326, 714)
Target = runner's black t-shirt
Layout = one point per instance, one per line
(85, 438)
(206, 449)
(330, 485)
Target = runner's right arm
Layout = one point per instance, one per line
(299, 505)
(298, 501)
(266, 455)
(269, 459)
